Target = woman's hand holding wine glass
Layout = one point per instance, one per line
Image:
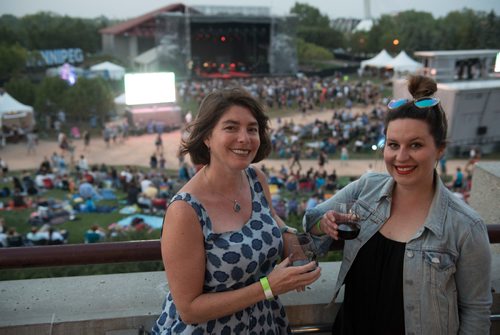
(342, 221)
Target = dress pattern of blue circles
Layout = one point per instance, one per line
(234, 260)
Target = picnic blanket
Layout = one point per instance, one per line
(108, 194)
(152, 221)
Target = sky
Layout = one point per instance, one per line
(124, 9)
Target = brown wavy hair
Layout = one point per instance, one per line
(213, 106)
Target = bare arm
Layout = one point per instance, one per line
(183, 254)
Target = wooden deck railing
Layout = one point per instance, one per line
(111, 252)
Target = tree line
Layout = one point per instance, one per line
(48, 95)
(414, 30)
(316, 40)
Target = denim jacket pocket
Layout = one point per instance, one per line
(440, 267)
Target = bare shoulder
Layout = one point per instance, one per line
(260, 175)
(180, 214)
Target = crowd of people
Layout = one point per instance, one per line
(85, 186)
(344, 130)
(38, 235)
(151, 191)
(303, 92)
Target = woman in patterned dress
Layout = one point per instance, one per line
(221, 238)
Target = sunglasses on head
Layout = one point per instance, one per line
(424, 102)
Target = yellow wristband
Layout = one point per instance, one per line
(267, 289)
(318, 225)
(286, 229)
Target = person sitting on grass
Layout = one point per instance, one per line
(14, 239)
(139, 225)
(95, 234)
(19, 201)
(34, 237)
(3, 233)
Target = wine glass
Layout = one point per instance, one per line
(347, 218)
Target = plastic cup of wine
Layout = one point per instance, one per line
(301, 249)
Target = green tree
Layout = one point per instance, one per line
(307, 52)
(413, 30)
(22, 89)
(468, 29)
(49, 97)
(314, 27)
(45, 30)
(12, 61)
(327, 37)
(459, 30)
(465, 29)
(88, 97)
(9, 29)
(309, 16)
(358, 41)
(491, 26)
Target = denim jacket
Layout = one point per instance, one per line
(447, 263)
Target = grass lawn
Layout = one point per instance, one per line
(18, 218)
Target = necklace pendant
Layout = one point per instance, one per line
(236, 206)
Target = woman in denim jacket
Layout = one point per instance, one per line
(421, 263)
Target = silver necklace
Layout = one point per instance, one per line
(236, 204)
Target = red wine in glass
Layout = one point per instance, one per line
(348, 230)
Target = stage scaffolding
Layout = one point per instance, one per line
(193, 44)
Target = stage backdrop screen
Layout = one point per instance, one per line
(149, 88)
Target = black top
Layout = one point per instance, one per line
(373, 299)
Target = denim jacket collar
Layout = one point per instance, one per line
(437, 213)
(387, 190)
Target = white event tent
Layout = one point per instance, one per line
(379, 61)
(404, 63)
(115, 72)
(12, 112)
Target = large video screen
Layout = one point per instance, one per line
(497, 63)
(149, 88)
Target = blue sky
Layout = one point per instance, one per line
(122, 9)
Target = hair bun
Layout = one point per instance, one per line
(421, 86)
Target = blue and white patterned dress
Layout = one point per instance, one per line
(234, 260)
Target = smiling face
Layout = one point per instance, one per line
(410, 153)
(234, 141)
